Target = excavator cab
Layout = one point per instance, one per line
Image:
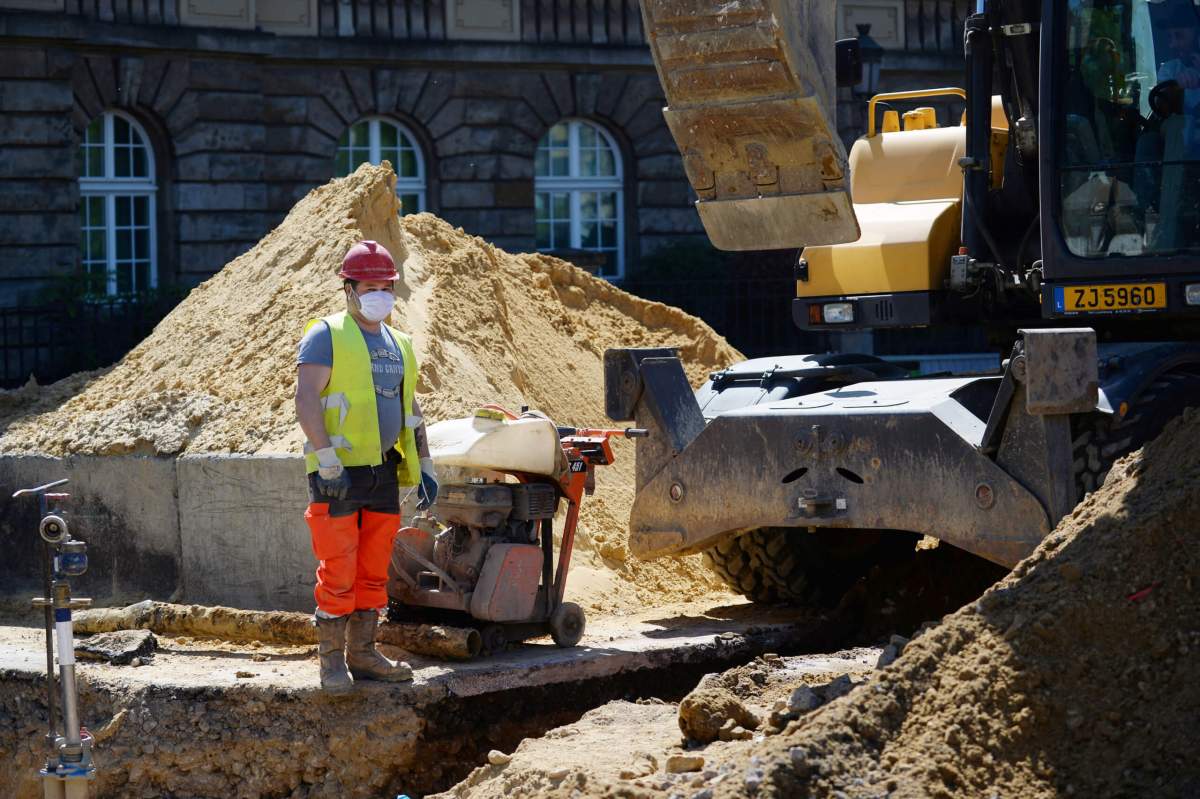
(1007, 212)
(1118, 183)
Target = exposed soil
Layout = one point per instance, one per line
(218, 374)
(1076, 675)
(627, 747)
(201, 717)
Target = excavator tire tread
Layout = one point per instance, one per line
(1100, 440)
(750, 564)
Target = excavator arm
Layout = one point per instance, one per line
(750, 88)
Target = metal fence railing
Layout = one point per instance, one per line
(49, 343)
(929, 25)
(753, 315)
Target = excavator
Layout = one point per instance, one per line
(1059, 213)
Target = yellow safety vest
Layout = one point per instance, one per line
(351, 418)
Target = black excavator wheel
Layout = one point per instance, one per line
(1100, 440)
(796, 567)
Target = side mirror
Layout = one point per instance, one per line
(848, 56)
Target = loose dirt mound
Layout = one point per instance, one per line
(1076, 675)
(217, 375)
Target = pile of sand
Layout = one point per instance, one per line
(218, 374)
(1079, 674)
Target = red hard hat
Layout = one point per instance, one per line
(368, 260)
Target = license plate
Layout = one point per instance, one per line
(1103, 298)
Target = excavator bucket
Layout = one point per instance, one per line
(750, 94)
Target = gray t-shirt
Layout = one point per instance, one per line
(387, 369)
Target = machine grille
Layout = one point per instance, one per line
(884, 310)
(532, 501)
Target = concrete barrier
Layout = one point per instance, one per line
(123, 507)
(213, 529)
(245, 542)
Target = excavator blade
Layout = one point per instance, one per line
(750, 94)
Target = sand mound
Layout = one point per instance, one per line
(218, 374)
(1076, 675)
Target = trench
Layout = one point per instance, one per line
(275, 740)
(460, 732)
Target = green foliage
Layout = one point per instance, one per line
(69, 292)
(682, 259)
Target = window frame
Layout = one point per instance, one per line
(574, 185)
(418, 185)
(109, 188)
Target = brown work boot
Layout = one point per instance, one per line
(331, 645)
(364, 660)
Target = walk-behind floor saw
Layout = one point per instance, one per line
(483, 556)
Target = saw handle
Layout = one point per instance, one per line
(591, 432)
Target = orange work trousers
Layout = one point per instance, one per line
(352, 540)
(353, 553)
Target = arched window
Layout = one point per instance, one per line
(116, 206)
(376, 140)
(578, 194)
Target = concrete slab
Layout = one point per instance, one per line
(244, 540)
(123, 507)
(611, 646)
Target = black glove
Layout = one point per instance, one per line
(336, 487)
(332, 479)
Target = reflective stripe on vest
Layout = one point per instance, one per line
(351, 417)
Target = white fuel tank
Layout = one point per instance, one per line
(528, 444)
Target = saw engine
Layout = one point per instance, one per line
(479, 515)
(485, 554)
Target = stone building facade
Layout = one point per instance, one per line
(239, 124)
(158, 139)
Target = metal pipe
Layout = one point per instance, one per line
(70, 709)
(51, 708)
(65, 638)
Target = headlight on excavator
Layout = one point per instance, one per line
(837, 313)
(1191, 293)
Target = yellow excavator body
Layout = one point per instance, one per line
(907, 188)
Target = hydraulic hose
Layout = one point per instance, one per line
(977, 236)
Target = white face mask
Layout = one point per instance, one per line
(376, 305)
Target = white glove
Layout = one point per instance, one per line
(427, 467)
(329, 466)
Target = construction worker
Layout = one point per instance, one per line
(366, 443)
